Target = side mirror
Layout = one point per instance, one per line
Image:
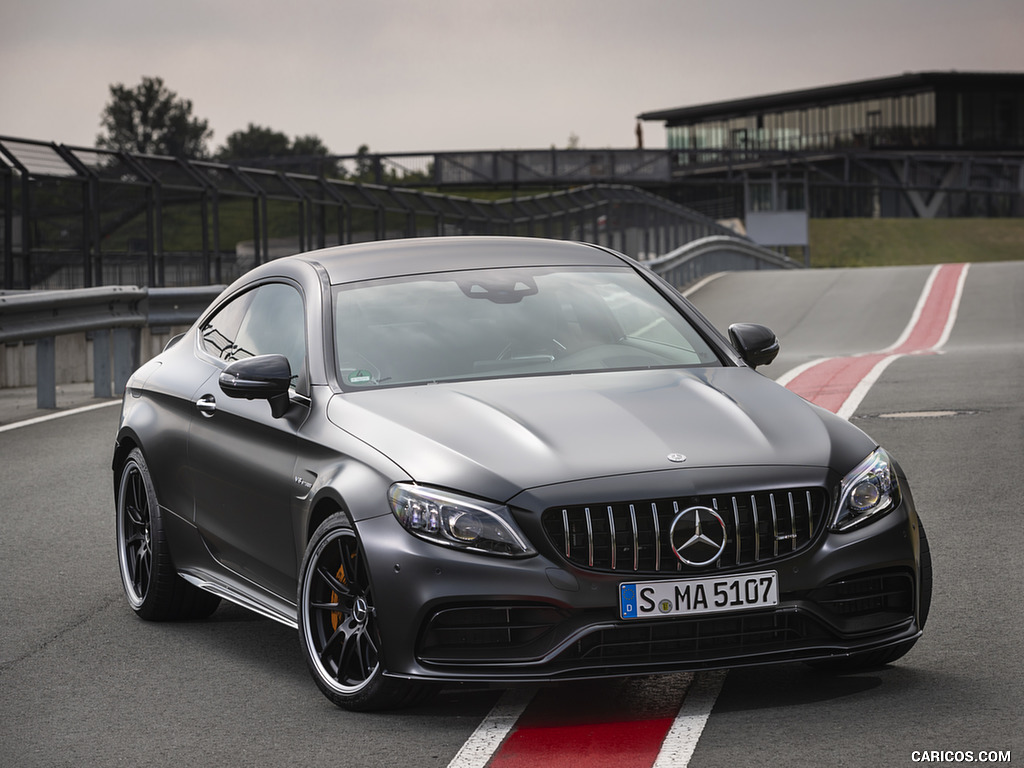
(756, 344)
(266, 377)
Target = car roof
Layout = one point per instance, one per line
(395, 258)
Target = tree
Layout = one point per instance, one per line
(254, 142)
(364, 164)
(151, 119)
(312, 156)
(309, 146)
(257, 145)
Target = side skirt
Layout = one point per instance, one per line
(265, 605)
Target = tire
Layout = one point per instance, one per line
(874, 659)
(338, 627)
(153, 587)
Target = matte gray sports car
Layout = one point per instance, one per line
(504, 460)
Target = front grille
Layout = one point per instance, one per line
(696, 640)
(635, 536)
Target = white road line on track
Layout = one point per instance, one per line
(954, 309)
(921, 301)
(57, 415)
(488, 736)
(682, 738)
(792, 373)
(860, 391)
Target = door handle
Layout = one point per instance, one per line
(207, 405)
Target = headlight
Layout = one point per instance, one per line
(456, 521)
(869, 491)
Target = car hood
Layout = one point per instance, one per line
(496, 438)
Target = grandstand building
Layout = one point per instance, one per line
(927, 110)
(919, 144)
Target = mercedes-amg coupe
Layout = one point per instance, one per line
(504, 460)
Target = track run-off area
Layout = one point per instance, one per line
(928, 360)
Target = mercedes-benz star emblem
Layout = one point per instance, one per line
(676, 458)
(698, 536)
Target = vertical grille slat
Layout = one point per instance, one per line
(568, 538)
(636, 539)
(792, 522)
(657, 537)
(718, 563)
(736, 532)
(757, 529)
(590, 538)
(611, 533)
(675, 512)
(625, 534)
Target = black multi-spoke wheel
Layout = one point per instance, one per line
(338, 623)
(153, 587)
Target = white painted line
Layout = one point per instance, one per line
(921, 414)
(57, 415)
(792, 373)
(682, 738)
(954, 309)
(860, 391)
(918, 308)
(481, 746)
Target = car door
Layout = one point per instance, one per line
(241, 459)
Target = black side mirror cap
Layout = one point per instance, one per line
(756, 344)
(266, 377)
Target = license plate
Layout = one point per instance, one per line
(687, 597)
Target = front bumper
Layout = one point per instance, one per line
(449, 616)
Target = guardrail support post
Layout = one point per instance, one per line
(126, 356)
(46, 372)
(101, 363)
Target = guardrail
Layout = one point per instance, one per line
(708, 255)
(116, 315)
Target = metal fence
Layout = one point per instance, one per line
(710, 255)
(73, 217)
(839, 182)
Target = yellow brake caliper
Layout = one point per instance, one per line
(337, 616)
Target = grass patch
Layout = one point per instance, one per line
(887, 242)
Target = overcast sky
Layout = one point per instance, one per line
(421, 75)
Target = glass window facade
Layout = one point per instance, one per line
(903, 120)
(931, 111)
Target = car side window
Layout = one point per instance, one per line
(220, 332)
(269, 319)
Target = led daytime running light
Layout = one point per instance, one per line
(456, 521)
(869, 491)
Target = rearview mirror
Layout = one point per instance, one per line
(266, 377)
(756, 344)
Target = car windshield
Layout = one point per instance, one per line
(494, 323)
